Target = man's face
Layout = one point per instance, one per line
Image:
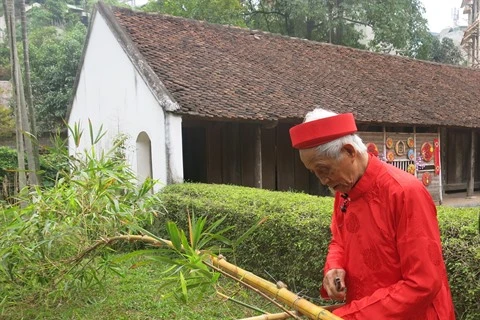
(338, 174)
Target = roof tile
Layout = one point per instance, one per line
(233, 73)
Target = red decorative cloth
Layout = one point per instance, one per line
(388, 242)
(314, 133)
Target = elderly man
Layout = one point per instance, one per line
(385, 255)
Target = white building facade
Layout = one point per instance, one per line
(112, 94)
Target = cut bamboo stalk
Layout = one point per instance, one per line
(271, 316)
(300, 304)
(303, 306)
(246, 305)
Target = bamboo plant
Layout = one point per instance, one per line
(194, 265)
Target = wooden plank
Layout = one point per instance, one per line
(285, 158)
(458, 146)
(247, 154)
(451, 158)
(375, 137)
(316, 188)
(194, 157)
(477, 156)
(258, 157)
(214, 152)
(269, 156)
(301, 174)
(471, 167)
(230, 163)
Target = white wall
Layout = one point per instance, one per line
(112, 93)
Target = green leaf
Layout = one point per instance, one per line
(174, 235)
(183, 284)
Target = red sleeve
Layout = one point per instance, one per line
(418, 246)
(335, 249)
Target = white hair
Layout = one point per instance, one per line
(333, 148)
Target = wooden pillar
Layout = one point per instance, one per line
(440, 175)
(471, 167)
(258, 157)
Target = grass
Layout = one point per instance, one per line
(139, 295)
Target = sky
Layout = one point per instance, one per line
(439, 13)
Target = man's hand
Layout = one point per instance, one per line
(334, 284)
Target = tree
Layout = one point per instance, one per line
(445, 51)
(54, 58)
(215, 11)
(24, 142)
(29, 98)
(397, 25)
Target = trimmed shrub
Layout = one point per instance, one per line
(297, 227)
(292, 244)
(461, 250)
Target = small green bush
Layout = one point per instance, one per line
(461, 249)
(8, 163)
(98, 196)
(291, 245)
(52, 163)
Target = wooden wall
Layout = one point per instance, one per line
(458, 146)
(220, 152)
(226, 155)
(401, 161)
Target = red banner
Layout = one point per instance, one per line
(436, 147)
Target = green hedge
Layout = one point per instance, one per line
(291, 245)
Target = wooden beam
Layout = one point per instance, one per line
(471, 167)
(258, 157)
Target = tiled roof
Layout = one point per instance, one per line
(227, 72)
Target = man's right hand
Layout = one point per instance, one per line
(334, 284)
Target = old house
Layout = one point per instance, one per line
(211, 103)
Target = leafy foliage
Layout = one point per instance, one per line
(396, 25)
(54, 58)
(186, 257)
(445, 51)
(97, 196)
(7, 122)
(53, 162)
(215, 11)
(5, 73)
(392, 26)
(291, 245)
(8, 164)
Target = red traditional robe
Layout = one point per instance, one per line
(388, 242)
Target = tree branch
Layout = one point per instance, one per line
(265, 12)
(354, 21)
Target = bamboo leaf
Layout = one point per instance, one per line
(185, 245)
(190, 232)
(174, 234)
(184, 287)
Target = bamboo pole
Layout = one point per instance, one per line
(303, 306)
(270, 316)
(300, 304)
